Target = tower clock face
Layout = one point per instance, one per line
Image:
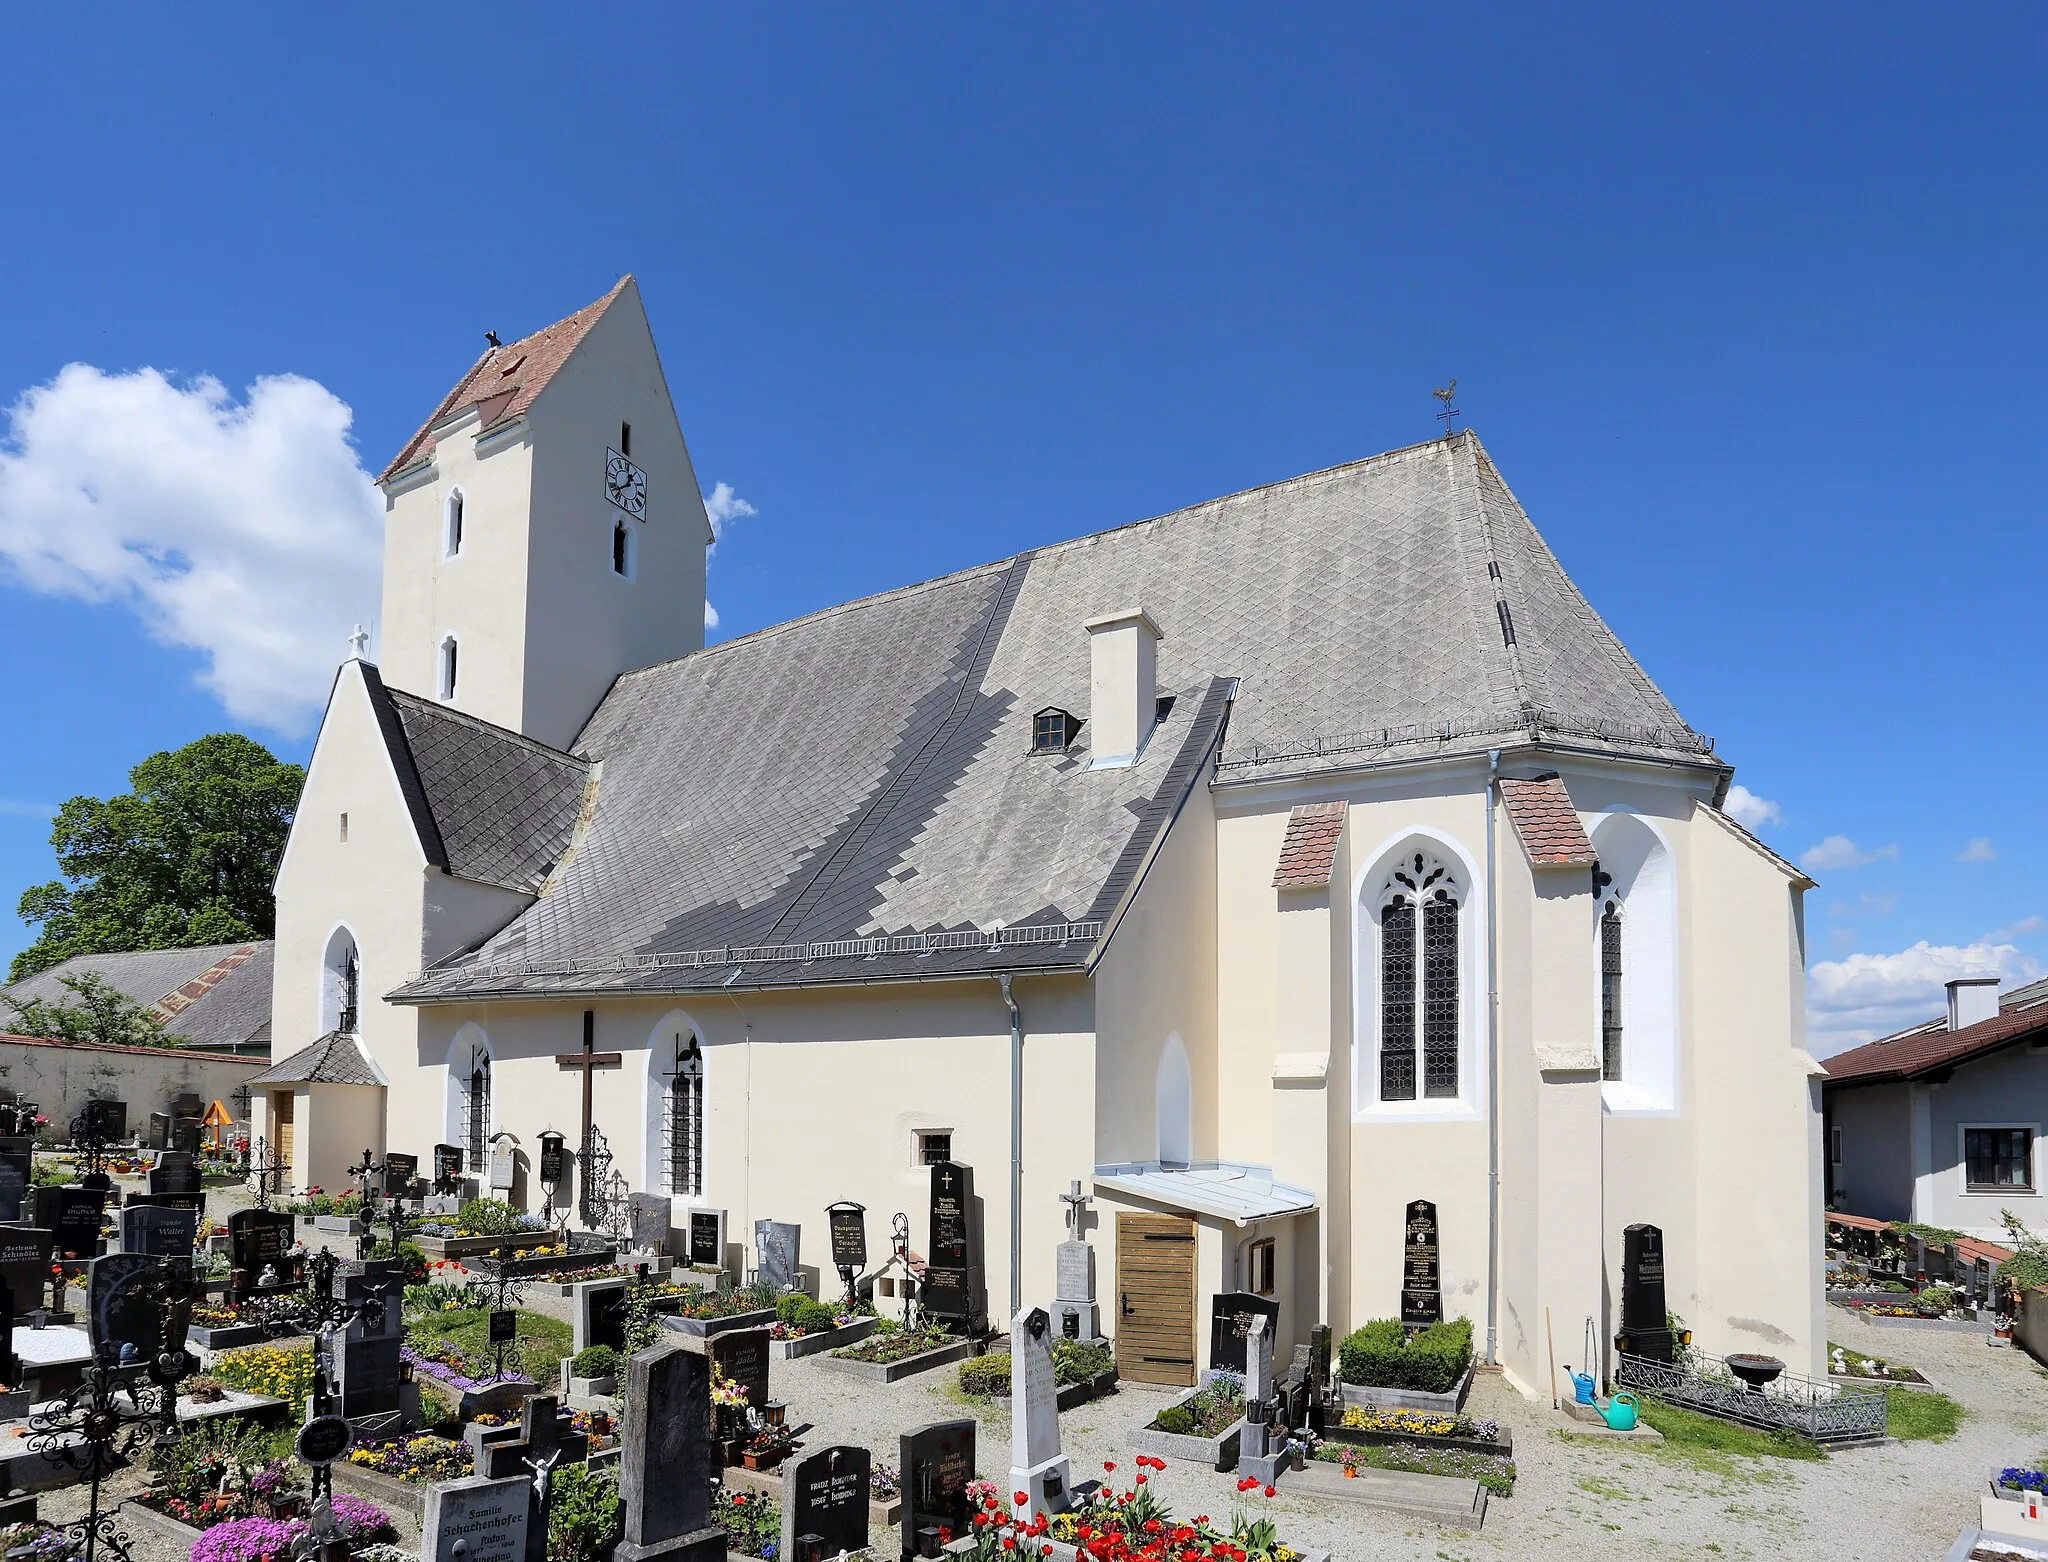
(625, 485)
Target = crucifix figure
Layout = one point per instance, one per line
(1077, 1204)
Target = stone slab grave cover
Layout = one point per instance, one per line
(15, 1171)
(476, 1520)
(73, 1216)
(1645, 1329)
(776, 1245)
(600, 1315)
(1422, 1291)
(666, 1460)
(825, 1504)
(953, 1288)
(161, 1232)
(1038, 1468)
(742, 1356)
(937, 1463)
(1230, 1321)
(259, 1248)
(25, 1266)
(648, 1215)
(707, 1238)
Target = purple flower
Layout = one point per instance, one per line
(356, 1515)
(247, 1540)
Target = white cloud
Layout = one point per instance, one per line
(1979, 850)
(723, 506)
(2018, 929)
(15, 808)
(710, 616)
(1838, 852)
(1863, 996)
(246, 531)
(1749, 810)
(1867, 905)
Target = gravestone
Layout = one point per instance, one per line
(600, 1315)
(126, 1317)
(447, 1167)
(106, 1120)
(400, 1173)
(553, 1164)
(544, 1432)
(159, 1131)
(188, 1104)
(25, 1265)
(707, 1238)
(366, 1358)
(476, 1520)
(159, 1232)
(1073, 1282)
(825, 1504)
(952, 1291)
(185, 1135)
(1230, 1321)
(937, 1464)
(1319, 1387)
(1038, 1468)
(9, 1368)
(176, 1171)
(502, 1166)
(73, 1216)
(648, 1216)
(15, 1171)
(1645, 1330)
(665, 1459)
(259, 1245)
(1262, 1445)
(849, 1241)
(1422, 1291)
(776, 1244)
(742, 1355)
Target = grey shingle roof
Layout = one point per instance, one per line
(865, 772)
(335, 1059)
(232, 1008)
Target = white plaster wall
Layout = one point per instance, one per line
(2008, 1089)
(1876, 1174)
(60, 1077)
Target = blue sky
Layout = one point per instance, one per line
(1746, 306)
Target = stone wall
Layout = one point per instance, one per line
(61, 1076)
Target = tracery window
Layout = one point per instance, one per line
(1610, 991)
(1419, 900)
(683, 1121)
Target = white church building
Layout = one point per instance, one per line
(1262, 866)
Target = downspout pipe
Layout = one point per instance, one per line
(1492, 1071)
(1016, 1147)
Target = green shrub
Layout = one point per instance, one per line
(595, 1361)
(1381, 1354)
(487, 1218)
(786, 1307)
(583, 1517)
(1175, 1419)
(985, 1376)
(1939, 1298)
(814, 1317)
(414, 1260)
(1076, 1362)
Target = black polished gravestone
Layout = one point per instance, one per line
(73, 1216)
(1230, 1323)
(1422, 1289)
(25, 1265)
(400, 1172)
(938, 1462)
(849, 1240)
(103, 1120)
(185, 1135)
(1645, 1327)
(259, 1252)
(15, 1171)
(742, 1356)
(825, 1504)
(159, 1131)
(707, 1238)
(176, 1171)
(952, 1290)
(128, 1316)
(447, 1167)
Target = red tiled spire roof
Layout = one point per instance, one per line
(1309, 850)
(504, 381)
(1546, 822)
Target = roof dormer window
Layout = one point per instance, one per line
(1052, 730)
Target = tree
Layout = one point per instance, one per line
(102, 1013)
(185, 858)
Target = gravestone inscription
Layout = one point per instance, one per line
(447, 1167)
(259, 1251)
(1645, 1329)
(159, 1131)
(937, 1463)
(1230, 1320)
(1422, 1292)
(160, 1232)
(825, 1504)
(952, 1290)
(1038, 1468)
(400, 1173)
(73, 1215)
(476, 1519)
(707, 1238)
(25, 1264)
(15, 1171)
(742, 1356)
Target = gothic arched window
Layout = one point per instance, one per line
(1610, 991)
(1419, 979)
(341, 981)
(683, 1120)
(477, 1111)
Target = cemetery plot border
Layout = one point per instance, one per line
(1217, 1452)
(907, 1366)
(1448, 1499)
(881, 1515)
(1071, 1396)
(823, 1339)
(1409, 1398)
(704, 1328)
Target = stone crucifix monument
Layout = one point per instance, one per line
(1073, 1307)
(1037, 1467)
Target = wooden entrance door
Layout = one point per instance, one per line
(281, 1132)
(1155, 1299)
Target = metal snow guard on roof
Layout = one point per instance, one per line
(1222, 1188)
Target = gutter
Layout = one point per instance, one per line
(1016, 1146)
(1492, 1071)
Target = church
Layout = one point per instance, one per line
(1262, 867)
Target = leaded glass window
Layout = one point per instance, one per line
(1419, 987)
(1610, 991)
(683, 1125)
(478, 1109)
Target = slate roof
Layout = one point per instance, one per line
(216, 995)
(1545, 822)
(865, 773)
(504, 381)
(1915, 1054)
(335, 1059)
(1309, 848)
(488, 804)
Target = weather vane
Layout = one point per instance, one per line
(1444, 393)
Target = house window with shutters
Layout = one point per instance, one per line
(683, 1120)
(1419, 998)
(1610, 991)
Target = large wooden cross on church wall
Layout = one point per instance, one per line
(588, 1061)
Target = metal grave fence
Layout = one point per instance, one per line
(1824, 1412)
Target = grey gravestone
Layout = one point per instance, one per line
(366, 1360)
(1258, 1361)
(476, 1520)
(1230, 1319)
(825, 1503)
(15, 1171)
(1422, 1291)
(1037, 1466)
(126, 1319)
(649, 1214)
(600, 1316)
(776, 1243)
(162, 1233)
(742, 1355)
(1262, 1446)
(25, 1265)
(938, 1462)
(665, 1459)
(502, 1166)
(72, 1215)
(707, 1237)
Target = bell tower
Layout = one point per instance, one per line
(543, 531)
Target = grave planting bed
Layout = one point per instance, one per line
(1376, 1426)
(1216, 1407)
(822, 1339)
(701, 1323)
(891, 1357)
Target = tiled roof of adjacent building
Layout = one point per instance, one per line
(853, 795)
(1916, 1053)
(1546, 822)
(217, 995)
(504, 381)
(1310, 846)
(335, 1059)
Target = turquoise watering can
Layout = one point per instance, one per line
(1620, 1413)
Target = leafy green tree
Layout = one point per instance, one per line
(186, 858)
(102, 1012)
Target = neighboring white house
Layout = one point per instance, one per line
(1269, 864)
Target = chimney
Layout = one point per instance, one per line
(1970, 999)
(1123, 686)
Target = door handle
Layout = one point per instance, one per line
(1123, 1301)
